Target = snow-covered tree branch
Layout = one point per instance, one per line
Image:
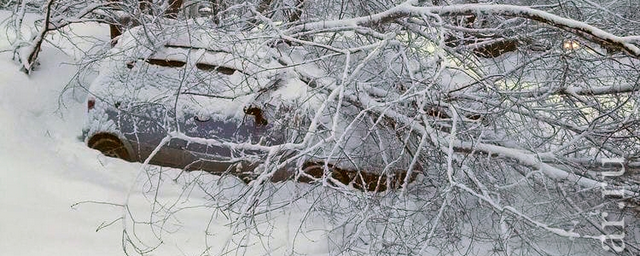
(424, 127)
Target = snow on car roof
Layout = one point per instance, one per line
(218, 72)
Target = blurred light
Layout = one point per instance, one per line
(570, 45)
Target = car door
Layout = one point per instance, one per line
(216, 108)
(149, 116)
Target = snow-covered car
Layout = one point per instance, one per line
(223, 102)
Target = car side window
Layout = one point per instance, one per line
(219, 69)
(158, 62)
(166, 62)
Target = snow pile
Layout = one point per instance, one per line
(59, 197)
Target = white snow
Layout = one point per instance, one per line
(58, 197)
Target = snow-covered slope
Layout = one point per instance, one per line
(44, 170)
(58, 197)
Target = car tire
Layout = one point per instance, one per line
(110, 146)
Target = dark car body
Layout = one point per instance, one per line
(223, 102)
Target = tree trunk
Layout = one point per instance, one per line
(27, 64)
(145, 6)
(174, 9)
(115, 30)
(295, 15)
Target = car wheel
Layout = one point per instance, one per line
(110, 146)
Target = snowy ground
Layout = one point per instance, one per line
(58, 197)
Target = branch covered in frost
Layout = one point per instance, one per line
(604, 38)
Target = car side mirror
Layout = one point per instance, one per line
(256, 112)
